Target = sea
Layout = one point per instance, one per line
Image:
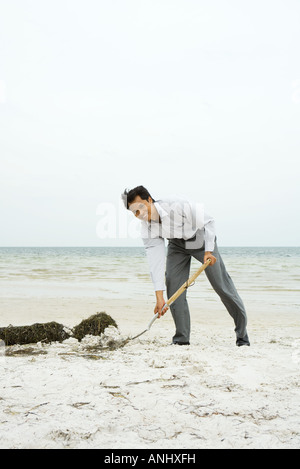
(269, 276)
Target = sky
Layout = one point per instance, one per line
(185, 97)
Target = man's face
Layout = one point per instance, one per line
(141, 208)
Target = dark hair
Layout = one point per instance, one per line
(129, 196)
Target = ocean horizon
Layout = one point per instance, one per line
(264, 274)
(129, 246)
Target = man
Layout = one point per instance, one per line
(191, 232)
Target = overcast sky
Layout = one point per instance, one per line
(183, 96)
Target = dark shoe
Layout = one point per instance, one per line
(181, 343)
(241, 342)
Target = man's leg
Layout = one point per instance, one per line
(177, 272)
(223, 285)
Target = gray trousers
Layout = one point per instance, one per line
(177, 272)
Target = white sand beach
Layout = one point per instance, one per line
(150, 394)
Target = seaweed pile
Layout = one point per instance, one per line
(55, 332)
(94, 325)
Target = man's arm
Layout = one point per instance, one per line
(209, 238)
(160, 303)
(200, 220)
(156, 254)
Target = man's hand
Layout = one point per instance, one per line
(160, 303)
(208, 255)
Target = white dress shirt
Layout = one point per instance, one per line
(181, 219)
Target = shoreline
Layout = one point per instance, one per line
(133, 316)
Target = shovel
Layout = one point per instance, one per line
(176, 295)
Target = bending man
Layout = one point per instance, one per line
(191, 232)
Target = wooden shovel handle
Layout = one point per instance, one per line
(178, 293)
(187, 283)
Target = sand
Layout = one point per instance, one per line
(150, 394)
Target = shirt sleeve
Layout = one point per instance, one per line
(156, 255)
(209, 233)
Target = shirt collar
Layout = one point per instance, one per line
(162, 213)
